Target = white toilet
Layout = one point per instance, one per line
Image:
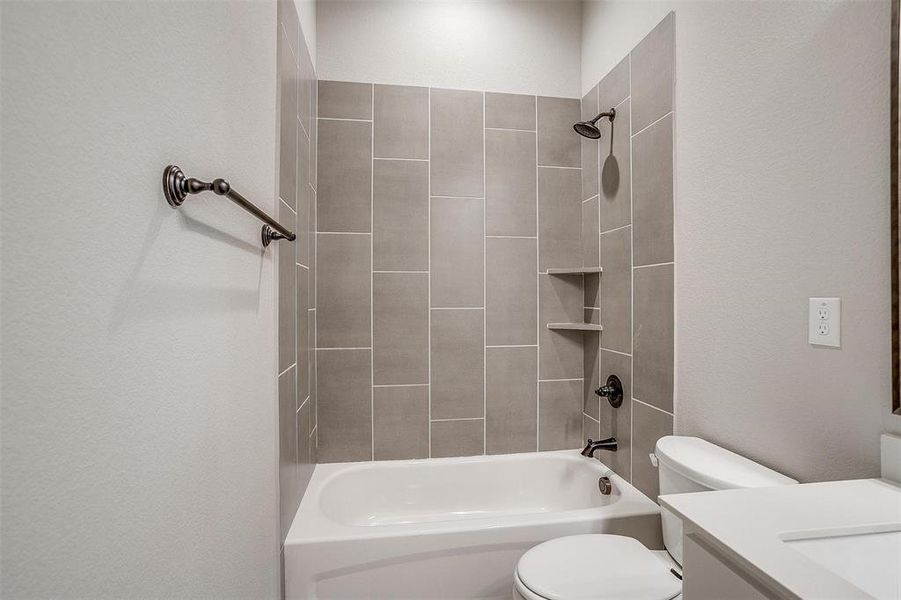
(615, 567)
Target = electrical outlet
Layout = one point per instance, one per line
(825, 322)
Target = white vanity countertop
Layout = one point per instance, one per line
(751, 527)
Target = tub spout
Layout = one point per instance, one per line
(591, 447)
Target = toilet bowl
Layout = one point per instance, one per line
(615, 567)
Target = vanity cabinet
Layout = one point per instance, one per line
(709, 576)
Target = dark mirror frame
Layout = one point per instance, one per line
(895, 139)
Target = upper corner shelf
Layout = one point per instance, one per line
(575, 271)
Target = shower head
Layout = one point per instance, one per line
(590, 129)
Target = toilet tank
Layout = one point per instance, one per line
(690, 464)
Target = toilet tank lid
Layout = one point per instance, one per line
(714, 467)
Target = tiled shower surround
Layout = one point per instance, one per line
(296, 274)
(439, 214)
(627, 228)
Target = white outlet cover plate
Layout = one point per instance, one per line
(825, 322)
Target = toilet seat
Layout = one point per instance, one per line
(598, 566)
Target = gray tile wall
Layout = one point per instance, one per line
(633, 192)
(297, 401)
(439, 214)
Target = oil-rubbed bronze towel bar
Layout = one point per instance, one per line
(177, 187)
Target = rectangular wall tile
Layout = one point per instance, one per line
(590, 147)
(590, 371)
(400, 215)
(345, 100)
(559, 218)
(560, 415)
(458, 366)
(558, 144)
(590, 241)
(305, 450)
(401, 121)
(400, 328)
(287, 451)
(616, 290)
(287, 155)
(457, 163)
(512, 292)
(653, 345)
(401, 422)
(511, 400)
(617, 422)
(343, 296)
(649, 425)
(287, 316)
(509, 111)
(614, 87)
(344, 381)
(457, 252)
(653, 66)
(303, 333)
(458, 438)
(616, 173)
(510, 183)
(560, 351)
(306, 87)
(345, 175)
(652, 193)
(590, 431)
(304, 225)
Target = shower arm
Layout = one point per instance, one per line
(610, 114)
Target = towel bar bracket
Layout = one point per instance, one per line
(176, 187)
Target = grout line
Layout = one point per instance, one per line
(457, 308)
(342, 119)
(666, 412)
(302, 265)
(617, 228)
(621, 102)
(458, 197)
(512, 237)
(615, 352)
(429, 252)
(294, 364)
(371, 274)
(288, 206)
(342, 232)
(557, 167)
(315, 427)
(512, 346)
(426, 272)
(585, 414)
(460, 419)
(570, 379)
(643, 129)
(590, 199)
(509, 129)
(348, 348)
(404, 159)
(663, 264)
(394, 385)
(302, 404)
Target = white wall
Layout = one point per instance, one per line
(496, 45)
(306, 12)
(782, 192)
(138, 345)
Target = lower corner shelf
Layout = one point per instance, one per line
(576, 326)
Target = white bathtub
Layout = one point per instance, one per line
(448, 528)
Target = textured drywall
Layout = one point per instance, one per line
(138, 344)
(782, 193)
(500, 45)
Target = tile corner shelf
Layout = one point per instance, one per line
(575, 271)
(576, 326)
